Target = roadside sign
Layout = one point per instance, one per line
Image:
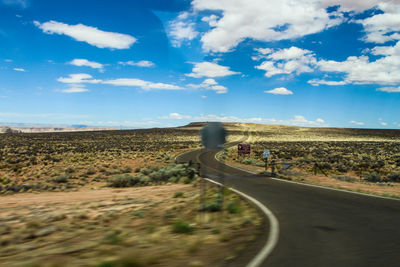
(266, 153)
(213, 135)
(286, 165)
(243, 149)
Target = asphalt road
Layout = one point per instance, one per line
(318, 227)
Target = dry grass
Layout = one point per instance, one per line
(94, 227)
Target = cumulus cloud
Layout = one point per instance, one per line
(88, 34)
(142, 63)
(19, 69)
(182, 30)
(84, 62)
(145, 85)
(297, 120)
(383, 27)
(78, 78)
(175, 116)
(389, 89)
(262, 20)
(279, 91)
(357, 123)
(211, 84)
(274, 20)
(81, 78)
(361, 70)
(286, 61)
(76, 89)
(316, 82)
(210, 69)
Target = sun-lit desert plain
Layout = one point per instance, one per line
(361, 160)
(118, 197)
(115, 198)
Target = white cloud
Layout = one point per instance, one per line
(175, 116)
(142, 63)
(211, 84)
(384, 27)
(145, 85)
(384, 123)
(316, 82)
(263, 20)
(389, 89)
(279, 91)
(211, 20)
(78, 78)
(88, 34)
(300, 120)
(360, 70)
(286, 61)
(19, 69)
(182, 30)
(219, 89)
(75, 90)
(86, 63)
(8, 60)
(384, 70)
(357, 123)
(296, 120)
(210, 69)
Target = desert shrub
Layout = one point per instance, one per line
(372, 177)
(213, 206)
(233, 207)
(63, 178)
(394, 177)
(185, 180)
(138, 214)
(126, 169)
(178, 194)
(345, 178)
(145, 171)
(106, 264)
(123, 180)
(342, 168)
(69, 170)
(182, 227)
(249, 162)
(144, 179)
(137, 169)
(112, 238)
(91, 171)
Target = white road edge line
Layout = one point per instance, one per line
(311, 185)
(273, 225)
(273, 229)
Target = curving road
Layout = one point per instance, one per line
(318, 227)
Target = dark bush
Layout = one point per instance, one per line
(182, 227)
(63, 178)
(372, 177)
(123, 180)
(394, 177)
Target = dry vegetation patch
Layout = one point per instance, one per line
(361, 160)
(155, 225)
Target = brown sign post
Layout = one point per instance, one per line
(243, 149)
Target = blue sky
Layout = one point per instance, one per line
(154, 63)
